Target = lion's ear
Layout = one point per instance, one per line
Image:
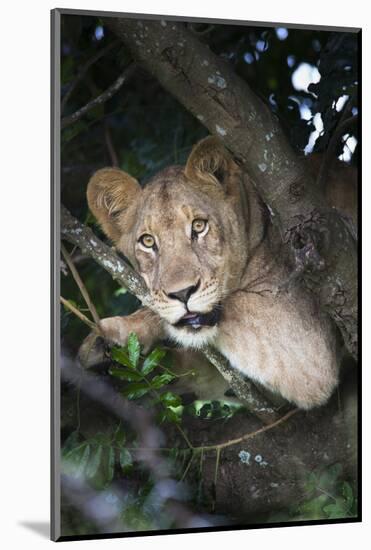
(210, 162)
(110, 192)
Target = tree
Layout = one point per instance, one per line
(186, 60)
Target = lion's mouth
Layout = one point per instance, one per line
(199, 320)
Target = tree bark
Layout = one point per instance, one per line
(269, 473)
(321, 242)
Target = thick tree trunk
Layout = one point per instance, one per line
(321, 243)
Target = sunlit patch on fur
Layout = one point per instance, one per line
(196, 339)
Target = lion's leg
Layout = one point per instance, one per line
(198, 377)
(115, 330)
(144, 322)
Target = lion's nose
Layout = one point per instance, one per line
(184, 294)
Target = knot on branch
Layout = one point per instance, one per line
(307, 239)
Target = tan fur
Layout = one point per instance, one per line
(277, 338)
(110, 191)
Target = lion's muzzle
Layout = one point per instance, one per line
(198, 320)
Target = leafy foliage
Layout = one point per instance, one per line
(93, 459)
(146, 375)
(327, 496)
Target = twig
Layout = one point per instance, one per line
(80, 284)
(102, 98)
(250, 435)
(109, 143)
(217, 461)
(78, 314)
(216, 471)
(220, 446)
(84, 69)
(187, 467)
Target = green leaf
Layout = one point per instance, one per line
(134, 349)
(153, 360)
(83, 461)
(337, 510)
(134, 391)
(311, 483)
(348, 494)
(126, 460)
(75, 461)
(205, 411)
(110, 464)
(120, 436)
(104, 474)
(120, 355)
(161, 380)
(167, 361)
(170, 399)
(101, 438)
(120, 291)
(168, 415)
(94, 462)
(125, 374)
(313, 509)
(329, 477)
(136, 519)
(71, 442)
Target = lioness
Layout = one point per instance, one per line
(202, 240)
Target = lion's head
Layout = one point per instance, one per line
(185, 232)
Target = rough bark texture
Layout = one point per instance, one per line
(321, 242)
(271, 473)
(79, 235)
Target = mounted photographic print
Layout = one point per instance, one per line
(204, 214)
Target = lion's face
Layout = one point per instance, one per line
(185, 234)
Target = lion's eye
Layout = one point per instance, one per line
(198, 226)
(147, 240)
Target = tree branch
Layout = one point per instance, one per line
(80, 284)
(321, 245)
(78, 313)
(109, 144)
(79, 235)
(102, 98)
(84, 69)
